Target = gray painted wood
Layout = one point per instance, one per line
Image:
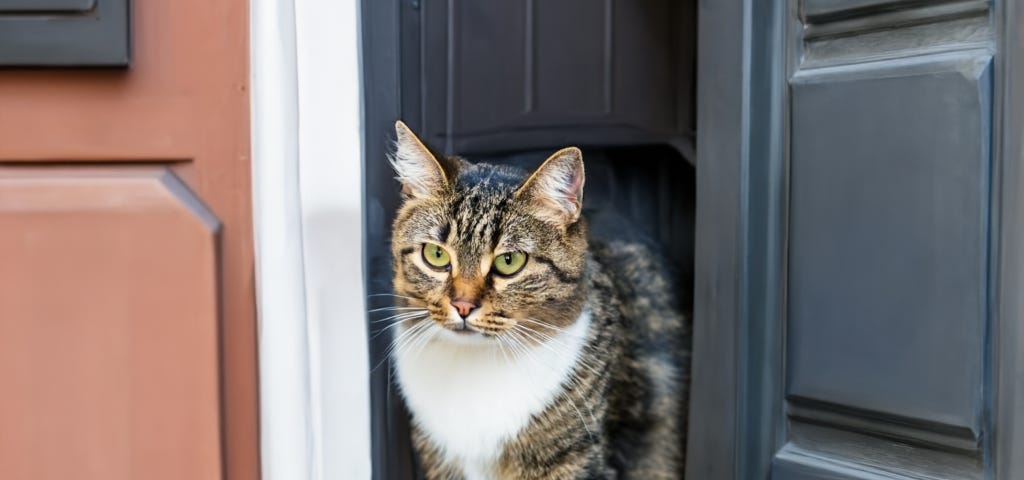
(899, 19)
(712, 443)
(736, 409)
(46, 5)
(890, 242)
(815, 11)
(760, 378)
(794, 463)
(888, 237)
(1008, 252)
(100, 37)
(820, 452)
(505, 76)
(392, 456)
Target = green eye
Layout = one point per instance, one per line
(509, 263)
(436, 256)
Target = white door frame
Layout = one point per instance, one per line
(307, 203)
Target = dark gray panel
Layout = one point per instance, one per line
(380, 35)
(505, 76)
(788, 466)
(1008, 246)
(824, 10)
(46, 5)
(97, 37)
(712, 440)
(888, 237)
(815, 452)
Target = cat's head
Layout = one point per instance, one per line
(488, 250)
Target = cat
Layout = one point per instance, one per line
(523, 348)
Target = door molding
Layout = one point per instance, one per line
(1007, 261)
(737, 408)
(286, 424)
(307, 148)
(736, 424)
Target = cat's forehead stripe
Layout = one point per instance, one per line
(443, 231)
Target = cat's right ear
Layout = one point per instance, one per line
(420, 172)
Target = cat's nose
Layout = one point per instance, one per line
(465, 307)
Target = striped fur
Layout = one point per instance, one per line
(574, 367)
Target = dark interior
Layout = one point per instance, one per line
(512, 82)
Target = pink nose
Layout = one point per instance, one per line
(464, 307)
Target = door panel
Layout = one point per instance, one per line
(163, 383)
(494, 77)
(106, 369)
(861, 163)
(888, 217)
(888, 242)
(815, 10)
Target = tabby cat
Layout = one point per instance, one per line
(523, 348)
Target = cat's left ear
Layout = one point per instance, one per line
(421, 173)
(556, 188)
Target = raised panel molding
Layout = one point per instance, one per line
(845, 17)
(109, 326)
(506, 76)
(814, 11)
(887, 311)
(818, 453)
(888, 238)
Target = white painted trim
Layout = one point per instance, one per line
(330, 145)
(286, 434)
(307, 184)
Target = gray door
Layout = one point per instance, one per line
(858, 241)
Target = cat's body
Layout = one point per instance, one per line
(572, 366)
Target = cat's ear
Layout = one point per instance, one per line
(421, 173)
(556, 187)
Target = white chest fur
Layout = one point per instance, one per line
(471, 399)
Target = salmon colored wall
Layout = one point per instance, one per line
(183, 104)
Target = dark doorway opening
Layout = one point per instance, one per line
(508, 83)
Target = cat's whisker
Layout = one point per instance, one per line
(395, 324)
(410, 342)
(519, 349)
(572, 403)
(562, 351)
(383, 309)
(563, 348)
(420, 342)
(544, 342)
(391, 295)
(547, 325)
(397, 314)
(501, 346)
(398, 340)
(401, 316)
(434, 332)
(542, 323)
(399, 319)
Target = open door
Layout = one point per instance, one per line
(858, 241)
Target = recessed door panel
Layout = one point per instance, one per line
(529, 74)
(888, 218)
(109, 320)
(127, 330)
(888, 242)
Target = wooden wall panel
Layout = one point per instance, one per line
(183, 102)
(889, 229)
(488, 78)
(888, 238)
(108, 326)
